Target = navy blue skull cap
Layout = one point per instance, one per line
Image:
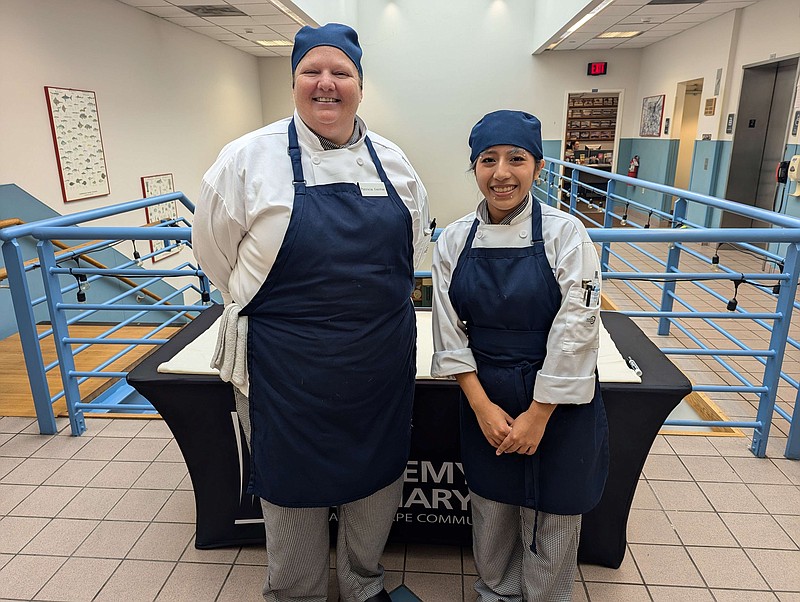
(333, 34)
(515, 128)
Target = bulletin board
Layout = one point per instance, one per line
(78, 143)
(153, 186)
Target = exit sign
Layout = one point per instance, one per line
(597, 69)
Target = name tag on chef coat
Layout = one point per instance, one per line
(372, 189)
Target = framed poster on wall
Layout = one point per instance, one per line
(153, 186)
(652, 112)
(78, 143)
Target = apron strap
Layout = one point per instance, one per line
(299, 181)
(536, 221)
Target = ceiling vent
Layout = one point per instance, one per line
(206, 10)
(662, 2)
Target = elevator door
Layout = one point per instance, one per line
(760, 138)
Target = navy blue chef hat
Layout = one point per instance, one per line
(333, 34)
(506, 127)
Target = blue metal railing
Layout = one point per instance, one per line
(602, 205)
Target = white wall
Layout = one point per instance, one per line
(554, 15)
(168, 98)
(275, 75)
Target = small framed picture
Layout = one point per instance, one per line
(652, 113)
(154, 186)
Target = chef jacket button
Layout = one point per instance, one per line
(315, 160)
(360, 161)
(479, 234)
(523, 233)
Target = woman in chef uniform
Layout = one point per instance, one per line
(516, 322)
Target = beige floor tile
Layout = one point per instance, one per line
(727, 567)
(732, 497)
(665, 565)
(5, 437)
(578, 593)
(791, 468)
(11, 495)
(790, 524)
(731, 595)
(60, 537)
(162, 541)
(212, 556)
(76, 472)
(758, 470)
(14, 424)
(644, 498)
(186, 484)
(135, 581)
(665, 468)
(660, 446)
(111, 539)
(433, 559)
(255, 555)
(45, 501)
(100, 448)
(119, 474)
(392, 580)
(170, 453)
(78, 579)
(706, 468)
(617, 592)
(244, 584)
(161, 475)
(758, 531)
(394, 557)
(156, 429)
(778, 499)
(18, 531)
(627, 572)
(179, 508)
(651, 526)
(92, 503)
(701, 529)
(23, 576)
(139, 504)
(61, 446)
(435, 586)
(692, 446)
(468, 561)
(679, 495)
(122, 427)
(194, 582)
(8, 464)
(33, 471)
(141, 450)
(781, 568)
(23, 446)
(665, 593)
(789, 596)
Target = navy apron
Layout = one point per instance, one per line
(331, 347)
(508, 299)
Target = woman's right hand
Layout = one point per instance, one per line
(494, 422)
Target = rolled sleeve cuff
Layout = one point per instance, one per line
(563, 389)
(448, 363)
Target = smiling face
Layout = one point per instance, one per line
(505, 174)
(327, 92)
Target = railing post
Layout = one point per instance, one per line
(573, 191)
(551, 181)
(793, 442)
(673, 260)
(608, 222)
(777, 344)
(52, 288)
(29, 336)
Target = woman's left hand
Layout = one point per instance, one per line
(527, 430)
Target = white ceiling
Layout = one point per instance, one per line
(280, 20)
(265, 20)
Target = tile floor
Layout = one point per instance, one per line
(109, 516)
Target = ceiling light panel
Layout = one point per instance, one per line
(618, 34)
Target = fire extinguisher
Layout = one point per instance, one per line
(633, 168)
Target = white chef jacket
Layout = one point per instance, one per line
(568, 373)
(246, 200)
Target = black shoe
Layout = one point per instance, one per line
(381, 596)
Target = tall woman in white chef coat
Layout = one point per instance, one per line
(516, 322)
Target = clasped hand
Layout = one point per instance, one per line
(514, 435)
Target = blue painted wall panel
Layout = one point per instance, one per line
(657, 161)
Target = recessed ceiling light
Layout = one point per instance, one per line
(269, 43)
(618, 34)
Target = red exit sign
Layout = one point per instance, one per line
(597, 69)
